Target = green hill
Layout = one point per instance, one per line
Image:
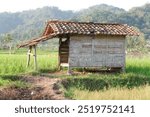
(28, 24)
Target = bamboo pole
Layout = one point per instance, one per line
(28, 55)
(35, 58)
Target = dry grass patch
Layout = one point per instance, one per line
(141, 93)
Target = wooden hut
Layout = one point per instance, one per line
(86, 44)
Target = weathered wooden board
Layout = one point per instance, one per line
(98, 51)
(80, 52)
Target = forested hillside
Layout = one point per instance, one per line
(138, 16)
(27, 24)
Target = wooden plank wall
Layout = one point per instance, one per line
(99, 51)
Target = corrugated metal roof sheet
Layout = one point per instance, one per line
(55, 28)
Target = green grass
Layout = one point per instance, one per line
(137, 74)
(12, 81)
(14, 65)
(129, 85)
(138, 66)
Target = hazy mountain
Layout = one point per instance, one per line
(28, 24)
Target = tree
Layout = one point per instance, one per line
(8, 41)
(136, 42)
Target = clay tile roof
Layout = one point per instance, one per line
(68, 27)
(55, 28)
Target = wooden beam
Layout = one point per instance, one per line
(59, 61)
(35, 58)
(28, 55)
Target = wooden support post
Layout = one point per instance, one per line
(69, 68)
(123, 69)
(28, 55)
(59, 61)
(84, 70)
(69, 72)
(35, 58)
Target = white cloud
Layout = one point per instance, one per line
(19, 5)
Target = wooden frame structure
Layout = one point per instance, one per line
(85, 44)
(34, 54)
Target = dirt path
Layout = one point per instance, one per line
(42, 88)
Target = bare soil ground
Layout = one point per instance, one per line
(41, 88)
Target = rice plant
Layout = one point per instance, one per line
(135, 80)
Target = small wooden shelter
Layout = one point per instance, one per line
(86, 44)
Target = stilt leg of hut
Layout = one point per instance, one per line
(28, 55)
(35, 58)
(59, 64)
(84, 69)
(123, 69)
(69, 72)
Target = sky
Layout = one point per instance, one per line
(75, 5)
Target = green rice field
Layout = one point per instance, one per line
(133, 84)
